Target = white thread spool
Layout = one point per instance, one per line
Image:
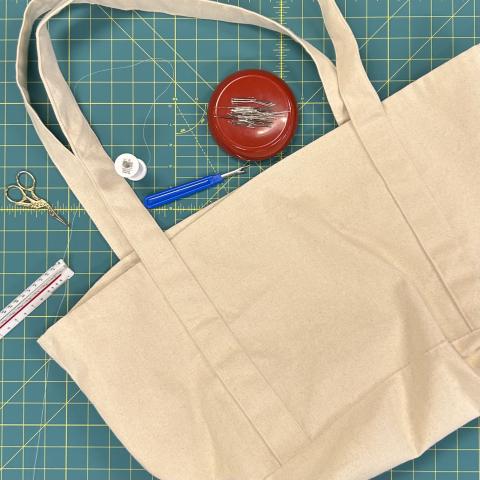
(131, 167)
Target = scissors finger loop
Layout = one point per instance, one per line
(29, 183)
(10, 198)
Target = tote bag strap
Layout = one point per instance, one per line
(72, 167)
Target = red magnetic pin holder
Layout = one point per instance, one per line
(257, 143)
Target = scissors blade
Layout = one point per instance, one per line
(56, 216)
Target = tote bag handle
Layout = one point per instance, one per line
(89, 171)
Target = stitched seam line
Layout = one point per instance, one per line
(209, 364)
(432, 261)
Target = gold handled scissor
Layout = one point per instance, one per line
(29, 199)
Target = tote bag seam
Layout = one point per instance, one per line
(443, 281)
(432, 261)
(239, 343)
(371, 391)
(465, 255)
(464, 359)
(214, 370)
(463, 337)
(240, 346)
(218, 376)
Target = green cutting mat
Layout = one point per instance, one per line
(144, 80)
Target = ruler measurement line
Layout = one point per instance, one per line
(33, 296)
(29, 301)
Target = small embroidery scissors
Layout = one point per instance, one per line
(29, 199)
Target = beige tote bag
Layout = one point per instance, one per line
(319, 323)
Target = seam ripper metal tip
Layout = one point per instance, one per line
(181, 191)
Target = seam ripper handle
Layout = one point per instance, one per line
(181, 191)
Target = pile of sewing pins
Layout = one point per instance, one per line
(252, 113)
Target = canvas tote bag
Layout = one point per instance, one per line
(322, 321)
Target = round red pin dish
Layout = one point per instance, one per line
(253, 115)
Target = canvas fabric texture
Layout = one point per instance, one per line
(319, 323)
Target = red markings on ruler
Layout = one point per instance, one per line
(31, 300)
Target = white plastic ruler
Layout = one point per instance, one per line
(33, 296)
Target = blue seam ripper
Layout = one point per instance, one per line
(181, 191)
